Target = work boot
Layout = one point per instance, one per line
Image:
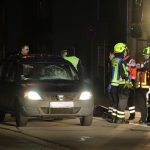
(112, 119)
(132, 116)
(148, 122)
(122, 121)
(142, 121)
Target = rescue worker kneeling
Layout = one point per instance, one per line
(119, 84)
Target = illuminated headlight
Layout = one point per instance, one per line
(86, 95)
(32, 95)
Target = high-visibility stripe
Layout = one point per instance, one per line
(121, 116)
(110, 109)
(114, 110)
(143, 86)
(114, 114)
(120, 112)
(115, 84)
(133, 107)
(142, 80)
(132, 111)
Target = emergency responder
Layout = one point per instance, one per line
(75, 61)
(118, 91)
(131, 64)
(143, 85)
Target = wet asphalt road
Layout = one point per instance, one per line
(68, 134)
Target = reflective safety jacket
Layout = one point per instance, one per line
(72, 59)
(143, 75)
(119, 72)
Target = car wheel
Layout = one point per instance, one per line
(21, 120)
(2, 116)
(86, 120)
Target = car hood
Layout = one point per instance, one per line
(54, 86)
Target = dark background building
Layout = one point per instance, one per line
(88, 28)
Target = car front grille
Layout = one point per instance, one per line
(47, 110)
(67, 97)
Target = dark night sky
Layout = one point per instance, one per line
(51, 25)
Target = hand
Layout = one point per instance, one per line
(138, 66)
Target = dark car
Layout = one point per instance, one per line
(43, 86)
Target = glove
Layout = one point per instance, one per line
(128, 85)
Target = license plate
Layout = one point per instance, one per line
(61, 104)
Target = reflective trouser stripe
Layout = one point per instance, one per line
(132, 109)
(110, 109)
(114, 112)
(120, 114)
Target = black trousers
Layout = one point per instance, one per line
(131, 98)
(119, 97)
(114, 96)
(145, 112)
(123, 98)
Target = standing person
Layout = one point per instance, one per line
(75, 61)
(131, 64)
(119, 75)
(143, 83)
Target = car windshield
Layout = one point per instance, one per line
(48, 72)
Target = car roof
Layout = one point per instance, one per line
(42, 58)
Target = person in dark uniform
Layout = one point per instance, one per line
(142, 86)
(131, 67)
(24, 51)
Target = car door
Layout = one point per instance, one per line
(7, 86)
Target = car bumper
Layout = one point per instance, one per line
(68, 108)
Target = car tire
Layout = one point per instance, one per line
(2, 116)
(86, 120)
(21, 120)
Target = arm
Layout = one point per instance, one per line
(123, 71)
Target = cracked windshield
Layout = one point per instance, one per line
(48, 72)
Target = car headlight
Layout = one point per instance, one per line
(86, 95)
(32, 95)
